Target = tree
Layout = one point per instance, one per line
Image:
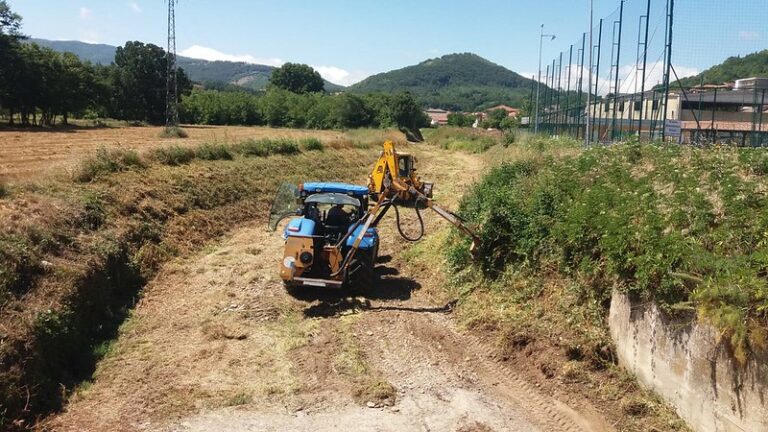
(460, 120)
(406, 112)
(297, 78)
(10, 22)
(495, 118)
(10, 25)
(139, 79)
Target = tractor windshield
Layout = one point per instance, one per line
(286, 203)
(333, 199)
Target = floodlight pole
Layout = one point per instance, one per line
(587, 135)
(538, 81)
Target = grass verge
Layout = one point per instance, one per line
(684, 228)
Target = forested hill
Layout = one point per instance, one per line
(246, 75)
(464, 82)
(753, 65)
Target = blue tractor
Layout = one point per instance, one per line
(329, 242)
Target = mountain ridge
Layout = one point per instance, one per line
(463, 81)
(247, 75)
(732, 69)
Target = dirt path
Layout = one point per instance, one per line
(217, 344)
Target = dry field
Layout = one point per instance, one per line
(24, 154)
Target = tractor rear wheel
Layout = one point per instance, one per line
(361, 270)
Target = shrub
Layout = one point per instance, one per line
(173, 155)
(93, 214)
(509, 138)
(173, 132)
(3, 190)
(209, 151)
(19, 264)
(267, 147)
(312, 144)
(672, 225)
(107, 161)
(463, 139)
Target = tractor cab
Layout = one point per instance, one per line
(406, 165)
(333, 213)
(326, 218)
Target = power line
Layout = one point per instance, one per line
(171, 89)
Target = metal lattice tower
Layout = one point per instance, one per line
(172, 91)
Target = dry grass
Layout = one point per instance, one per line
(25, 155)
(137, 219)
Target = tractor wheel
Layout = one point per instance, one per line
(362, 271)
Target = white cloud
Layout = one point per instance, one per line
(333, 74)
(85, 13)
(88, 36)
(340, 76)
(135, 7)
(629, 79)
(749, 35)
(204, 53)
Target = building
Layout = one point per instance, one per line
(438, 117)
(511, 112)
(735, 112)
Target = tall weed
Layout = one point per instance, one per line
(675, 225)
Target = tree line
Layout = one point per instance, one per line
(39, 86)
(314, 110)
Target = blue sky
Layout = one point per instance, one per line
(348, 40)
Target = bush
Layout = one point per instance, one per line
(3, 190)
(93, 214)
(213, 152)
(509, 138)
(267, 147)
(19, 264)
(173, 132)
(312, 144)
(672, 225)
(107, 161)
(463, 139)
(173, 155)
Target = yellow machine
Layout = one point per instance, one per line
(325, 250)
(393, 166)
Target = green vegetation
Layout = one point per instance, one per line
(174, 155)
(37, 84)
(311, 144)
(107, 161)
(461, 120)
(221, 75)
(214, 151)
(683, 227)
(458, 82)
(463, 139)
(281, 108)
(753, 65)
(173, 132)
(297, 78)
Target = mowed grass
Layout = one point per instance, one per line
(72, 269)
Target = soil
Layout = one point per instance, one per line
(217, 343)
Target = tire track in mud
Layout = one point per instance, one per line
(477, 368)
